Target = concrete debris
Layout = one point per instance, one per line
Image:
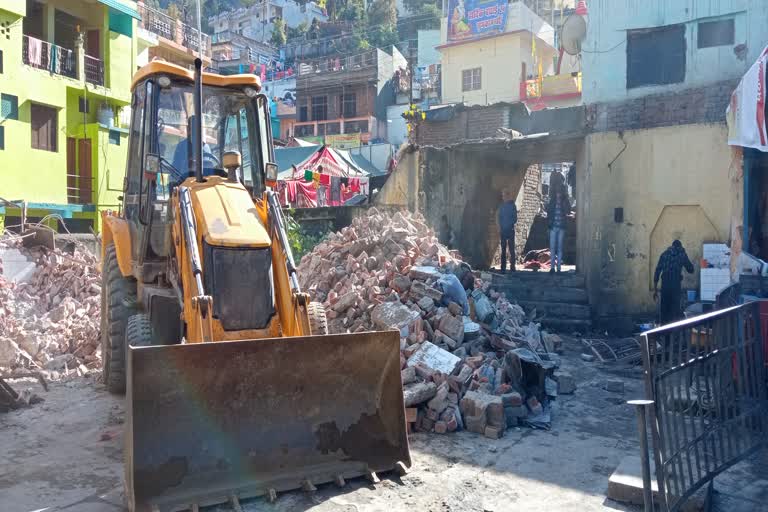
(50, 322)
(11, 399)
(389, 272)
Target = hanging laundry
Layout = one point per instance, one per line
(53, 64)
(35, 51)
(307, 175)
(354, 184)
(321, 196)
(291, 186)
(345, 181)
(325, 179)
(335, 190)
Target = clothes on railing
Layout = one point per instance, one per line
(35, 51)
(314, 194)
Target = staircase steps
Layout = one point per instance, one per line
(559, 299)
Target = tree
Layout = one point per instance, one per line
(418, 6)
(279, 37)
(382, 24)
(382, 13)
(174, 11)
(314, 29)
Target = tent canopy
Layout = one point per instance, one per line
(325, 159)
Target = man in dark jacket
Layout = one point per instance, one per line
(670, 268)
(507, 221)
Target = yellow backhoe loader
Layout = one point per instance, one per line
(233, 386)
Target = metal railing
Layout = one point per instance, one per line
(165, 26)
(563, 85)
(94, 70)
(191, 40)
(79, 189)
(48, 56)
(157, 22)
(706, 378)
(339, 63)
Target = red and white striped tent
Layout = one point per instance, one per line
(333, 163)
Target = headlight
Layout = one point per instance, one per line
(251, 92)
(271, 171)
(164, 81)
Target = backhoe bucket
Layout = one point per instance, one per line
(207, 422)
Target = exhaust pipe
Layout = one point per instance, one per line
(197, 138)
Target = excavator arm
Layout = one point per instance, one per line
(202, 304)
(299, 300)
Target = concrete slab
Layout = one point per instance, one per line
(625, 485)
(16, 267)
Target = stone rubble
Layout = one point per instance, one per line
(483, 372)
(51, 322)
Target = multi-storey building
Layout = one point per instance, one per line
(161, 36)
(65, 72)
(501, 51)
(346, 95)
(257, 21)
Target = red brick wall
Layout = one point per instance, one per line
(474, 123)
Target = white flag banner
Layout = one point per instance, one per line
(746, 112)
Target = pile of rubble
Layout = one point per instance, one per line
(50, 320)
(470, 358)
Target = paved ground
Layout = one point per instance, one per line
(66, 455)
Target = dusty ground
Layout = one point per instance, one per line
(66, 455)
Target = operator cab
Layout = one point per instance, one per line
(234, 121)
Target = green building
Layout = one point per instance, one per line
(65, 74)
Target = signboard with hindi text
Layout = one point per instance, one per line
(468, 19)
(343, 140)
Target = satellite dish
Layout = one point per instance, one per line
(573, 33)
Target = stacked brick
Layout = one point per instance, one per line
(51, 321)
(459, 366)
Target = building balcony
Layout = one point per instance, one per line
(553, 87)
(349, 125)
(94, 70)
(334, 65)
(48, 56)
(173, 31)
(353, 69)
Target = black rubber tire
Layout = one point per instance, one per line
(117, 292)
(318, 323)
(138, 332)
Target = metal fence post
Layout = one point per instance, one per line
(645, 462)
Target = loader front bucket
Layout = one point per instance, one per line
(207, 422)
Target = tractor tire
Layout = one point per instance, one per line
(318, 323)
(138, 332)
(117, 294)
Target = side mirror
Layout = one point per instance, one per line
(270, 170)
(151, 166)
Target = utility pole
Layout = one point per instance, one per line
(411, 52)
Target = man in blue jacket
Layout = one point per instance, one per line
(507, 221)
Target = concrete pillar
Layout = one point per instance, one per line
(49, 22)
(80, 57)
(413, 182)
(179, 33)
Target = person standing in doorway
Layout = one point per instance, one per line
(557, 210)
(507, 221)
(670, 268)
